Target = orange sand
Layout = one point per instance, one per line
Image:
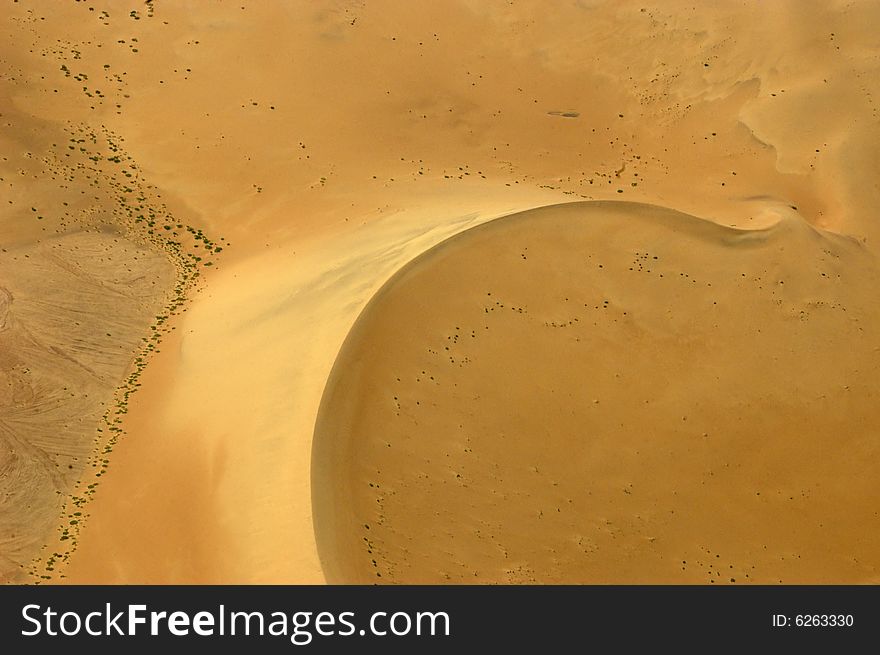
(321, 147)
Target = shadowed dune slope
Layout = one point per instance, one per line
(606, 392)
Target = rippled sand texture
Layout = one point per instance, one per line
(93, 266)
(627, 394)
(73, 310)
(295, 155)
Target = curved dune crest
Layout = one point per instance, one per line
(609, 393)
(197, 201)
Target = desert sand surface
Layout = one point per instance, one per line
(199, 199)
(628, 394)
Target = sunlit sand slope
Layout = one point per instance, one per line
(608, 392)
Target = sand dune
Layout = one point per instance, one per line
(242, 467)
(628, 394)
(271, 165)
